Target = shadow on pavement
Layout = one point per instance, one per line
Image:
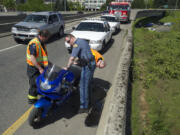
(104, 50)
(70, 108)
(100, 89)
(128, 128)
(117, 32)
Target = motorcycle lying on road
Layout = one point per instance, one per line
(55, 86)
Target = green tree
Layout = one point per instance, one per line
(78, 6)
(138, 4)
(174, 4)
(105, 5)
(9, 4)
(58, 5)
(159, 3)
(1, 2)
(149, 4)
(70, 5)
(35, 5)
(21, 1)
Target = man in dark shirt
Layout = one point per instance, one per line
(37, 59)
(81, 49)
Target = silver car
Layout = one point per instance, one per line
(28, 29)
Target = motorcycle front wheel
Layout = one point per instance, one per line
(35, 117)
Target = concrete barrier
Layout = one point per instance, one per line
(148, 13)
(113, 118)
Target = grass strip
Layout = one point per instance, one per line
(156, 77)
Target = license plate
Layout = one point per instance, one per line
(22, 38)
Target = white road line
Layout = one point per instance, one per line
(7, 23)
(68, 29)
(10, 47)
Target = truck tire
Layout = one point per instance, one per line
(61, 32)
(103, 46)
(18, 40)
(35, 117)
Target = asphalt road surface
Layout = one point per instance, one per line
(64, 120)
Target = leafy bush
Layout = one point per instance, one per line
(34, 5)
(156, 74)
(161, 55)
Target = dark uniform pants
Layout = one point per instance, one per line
(32, 73)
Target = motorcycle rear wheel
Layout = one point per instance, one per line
(35, 117)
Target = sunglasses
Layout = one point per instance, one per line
(69, 41)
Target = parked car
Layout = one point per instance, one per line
(105, 12)
(28, 29)
(80, 12)
(95, 31)
(113, 22)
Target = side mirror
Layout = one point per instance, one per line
(73, 28)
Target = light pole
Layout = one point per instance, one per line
(51, 5)
(64, 5)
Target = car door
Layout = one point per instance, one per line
(106, 33)
(61, 20)
(56, 23)
(107, 29)
(50, 24)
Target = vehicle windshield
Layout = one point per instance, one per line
(109, 19)
(36, 18)
(90, 26)
(119, 7)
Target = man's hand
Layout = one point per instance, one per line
(41, 70)
(65, 68)
(33, 59)
(70, 62)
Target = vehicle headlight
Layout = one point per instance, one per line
(13, 29)
(114, 27)
(34, 30)
(95, 42)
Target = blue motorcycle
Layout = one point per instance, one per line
(55, 86)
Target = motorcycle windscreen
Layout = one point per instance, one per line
(50, 79)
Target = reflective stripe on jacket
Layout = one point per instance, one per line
(97, 55)
(41, 54)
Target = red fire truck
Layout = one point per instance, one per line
(121, 10)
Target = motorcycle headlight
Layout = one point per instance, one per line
(34, 30)
(95, 42)
(14, 29)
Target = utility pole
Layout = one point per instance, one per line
(64, 5)
(51, 5)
